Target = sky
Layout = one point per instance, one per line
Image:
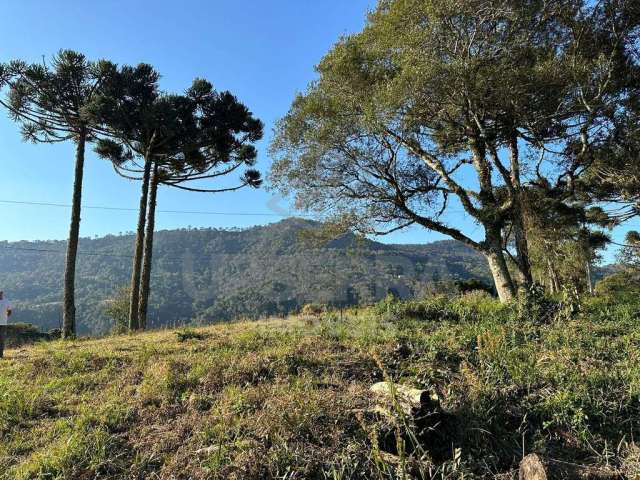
(262, 51)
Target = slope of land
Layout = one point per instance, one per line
(290, 398)
(204, 275)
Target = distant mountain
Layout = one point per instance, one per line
(204, 275)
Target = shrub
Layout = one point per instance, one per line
(431, 309)
(313, 309)
(619, 287)
(117, 309)
(534, 306)
(473, 285)
(19, 334)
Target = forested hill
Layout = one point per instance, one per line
(205, 275)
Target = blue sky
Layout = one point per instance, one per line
(263, 51)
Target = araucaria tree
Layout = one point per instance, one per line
(50, 103)
(140, 122)
(564, 240)
(457, 103)
(219, 142)
(175, 140)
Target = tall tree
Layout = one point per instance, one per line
(614, 175)
(143, 124)
(50, 103)
(201, 136)
(443, 103)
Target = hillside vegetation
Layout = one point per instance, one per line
(289, 398)
(206, 275)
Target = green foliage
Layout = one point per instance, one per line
(621, 287)
(563, 239)
(117, 309)
(201, 135)
(444, 99)
(209, 275)
(534, 306)
(52, 103)
(629, 254)
(437, 308)
(467, 308)
(24, 334)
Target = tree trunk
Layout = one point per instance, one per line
(553, 278)
(589, 277)
(522, 248)
(69, 300)
(520, 234)
(498, 266)
(148, 250)
(134, 323)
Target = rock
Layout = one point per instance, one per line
(409, 400)
(208, 451)
(532, 468)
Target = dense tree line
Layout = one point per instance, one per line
(210, 275)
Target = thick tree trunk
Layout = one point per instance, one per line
(134, 323)
(148, 250)
(498, 266)
(69, 301)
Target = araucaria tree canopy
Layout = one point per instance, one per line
(463, 103)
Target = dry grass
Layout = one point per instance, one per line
(285, 398)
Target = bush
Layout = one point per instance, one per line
(534, 306)
(437, 308)
(19, 334)
(313, 309)
(117, 309)
(474, 285)
(619, 287)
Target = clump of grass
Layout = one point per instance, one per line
(189, 334)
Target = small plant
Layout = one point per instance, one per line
(313, 310)
(436, 308)
(117, 309)
(189, 334)
(569, 305)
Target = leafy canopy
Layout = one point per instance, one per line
(457, 100)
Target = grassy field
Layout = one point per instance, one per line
(290, 398)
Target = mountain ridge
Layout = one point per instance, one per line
(207, 274)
